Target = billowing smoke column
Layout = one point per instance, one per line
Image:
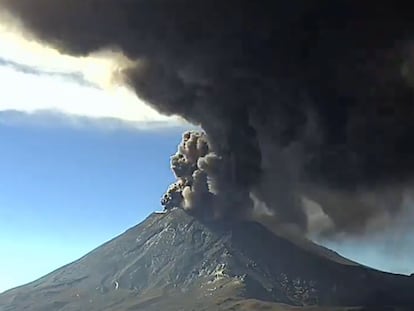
(204, 180)
(302, 101)
(191, 188)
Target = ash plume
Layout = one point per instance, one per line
(191, 190)
(301, 100)
(204, 182)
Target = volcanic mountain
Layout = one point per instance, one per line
(173, 261)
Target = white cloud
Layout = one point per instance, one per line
(97, 68)
(31, 92)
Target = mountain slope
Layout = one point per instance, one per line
(173, 261)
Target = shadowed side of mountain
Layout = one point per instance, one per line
(307, 279)
(306, 244)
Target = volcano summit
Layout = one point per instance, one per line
(173, 261)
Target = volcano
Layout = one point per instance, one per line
(174, 261)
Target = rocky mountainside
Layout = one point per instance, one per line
(173, 261)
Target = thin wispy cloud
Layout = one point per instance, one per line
(76, 76)
(52, 119)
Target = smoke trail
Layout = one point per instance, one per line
(301, 100)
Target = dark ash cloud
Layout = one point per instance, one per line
(301, 98)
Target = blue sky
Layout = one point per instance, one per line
(82, 159)
(65, 190)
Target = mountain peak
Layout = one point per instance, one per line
(173, 259)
